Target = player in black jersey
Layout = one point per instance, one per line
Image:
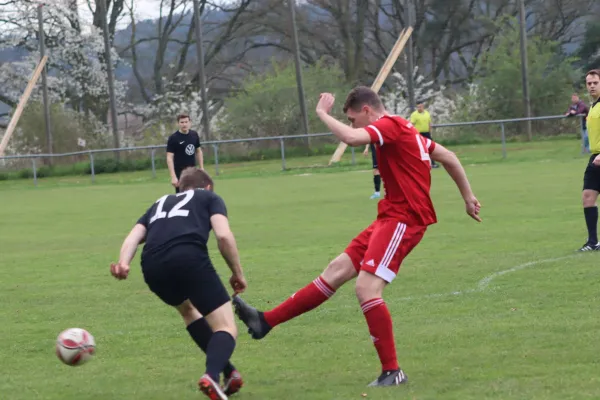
(177, 268)
(183, 150)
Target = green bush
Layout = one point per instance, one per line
(267, 105)
(66, 125)
(44, 172)
(25, 174)
(550, 71)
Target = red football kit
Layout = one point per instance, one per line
(402, 218)
(406, 210)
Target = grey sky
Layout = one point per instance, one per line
(144, 9)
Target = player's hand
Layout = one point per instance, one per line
(175, 182)
(596, 161)
(325, 104)
(119, 271)
(472, 206)
(366, 151)
(238, 283)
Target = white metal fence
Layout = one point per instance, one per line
(150, 152)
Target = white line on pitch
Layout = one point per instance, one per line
(482, 285)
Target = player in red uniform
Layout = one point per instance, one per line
(375, 255)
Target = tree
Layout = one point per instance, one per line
(76, 73)
(589, 51)
(396, 101)
(228, 34)
(551, 76)
(268, 105)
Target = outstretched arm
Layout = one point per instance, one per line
(456, 171)
(128, 250)
(131, 242)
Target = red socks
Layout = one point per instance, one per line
(380, 326)
(376, 313)
(309, 297)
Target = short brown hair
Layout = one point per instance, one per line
(360, 96)
(182, 116)
(593, 72)
(195, 178)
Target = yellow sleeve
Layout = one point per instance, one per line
(412, 118)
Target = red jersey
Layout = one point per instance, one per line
(405, 168)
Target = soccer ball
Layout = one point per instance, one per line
(75, 346)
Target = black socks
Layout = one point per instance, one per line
(201, 332)
(220, 349)
(377, 182)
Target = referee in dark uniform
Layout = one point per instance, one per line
(183, 150)
(176, 266)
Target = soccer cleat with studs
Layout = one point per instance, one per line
(390, 378)
(210, 388)
(252, 318)
(233, 383)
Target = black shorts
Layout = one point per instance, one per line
(373, 155)
(426, 134)
(185, 272)
(591, 177)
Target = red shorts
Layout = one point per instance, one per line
(381, 248)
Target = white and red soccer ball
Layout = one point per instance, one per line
(75, 346)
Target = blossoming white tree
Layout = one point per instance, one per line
(179, 97)
(438, 104)
(76, 68)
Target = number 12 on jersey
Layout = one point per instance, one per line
(177, 210)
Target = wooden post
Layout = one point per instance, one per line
(22, 102)
(381, 77)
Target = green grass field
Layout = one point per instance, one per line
(505, 309)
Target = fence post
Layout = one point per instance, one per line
(282, 154)
(92, 167)
(353, 156)
(152, 157)
(216, 151)
(34, 172)
(503, 140)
